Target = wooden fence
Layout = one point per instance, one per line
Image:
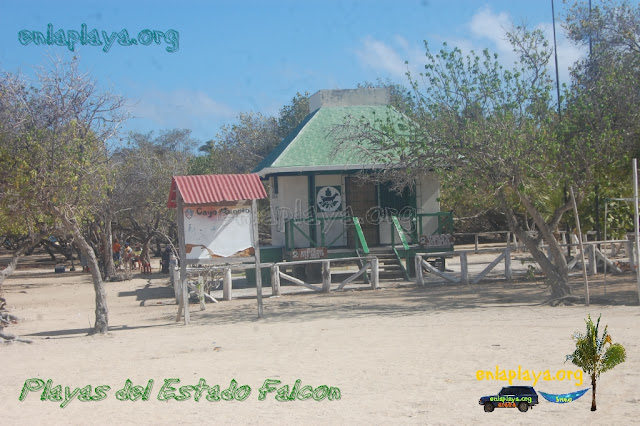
(368, 263)
(593, 254)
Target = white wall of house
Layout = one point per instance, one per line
(292, 200)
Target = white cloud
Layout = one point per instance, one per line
(180, 105)
(379, 55)
(491, 26)
(180, 108)
(487, 30)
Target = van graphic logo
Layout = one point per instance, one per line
(188, 213)
(328, 198)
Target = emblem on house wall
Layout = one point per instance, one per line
(328, 198)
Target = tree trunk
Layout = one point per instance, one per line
(101, 325)
(106, 240)
(22, 248)
(593, 393)
(557, 272)
(145, 256)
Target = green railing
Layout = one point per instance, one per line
(445, 222)
(291, 226)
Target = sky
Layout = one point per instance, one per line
(228, 57)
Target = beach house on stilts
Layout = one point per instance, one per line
(322, 205)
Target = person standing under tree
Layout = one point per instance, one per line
(116, 253)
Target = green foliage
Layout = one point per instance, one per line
(596, 354)
(142, 171)
(53, 143)
(240, 147)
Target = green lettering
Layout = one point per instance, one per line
(282, 394)
(30, 385)
(72, 38)
(305, 393)
(59, 38)
(242, 393)
(166, 392)
(123, 394)
(101, 393)
(145, 37)
(85, 394)
(25, 37)
(320, 393)
(267, 387)
(39, 38)
(108, 41)
(227, 394)
(202, 385)
(214, 393)
(173, 38)
(68, 396)
(123, 39)
(334, 394)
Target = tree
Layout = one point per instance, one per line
(57, 130)
(498, 129)
(596, 354)
(240, 147)
(143, 171)
(602, 103)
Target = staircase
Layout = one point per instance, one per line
(388, 264)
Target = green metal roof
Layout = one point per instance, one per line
(312, 145)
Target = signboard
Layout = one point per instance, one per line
(328, 198)
(442, 240)
(309, 253)
(217, 231)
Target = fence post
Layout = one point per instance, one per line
(226, 284)
(419, 275)
(476, 242)
(591, 255)
(464, 269)
(275, 280)
(175, 278)
(201, 292)
(374, 273)
(326, 276)
(508, 273)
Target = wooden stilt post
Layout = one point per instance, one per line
(256, 249)
(227, 285)
(591, 255)
(201, 292)
(183, 309)
(375, 273)
(464, 269)
(508, 273)
(275, 280)
(636, 213)
(584, 265)
(174, 277)
(418, 266)
(326, 276)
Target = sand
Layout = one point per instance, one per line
(398, 355)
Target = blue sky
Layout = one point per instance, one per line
(240, 56)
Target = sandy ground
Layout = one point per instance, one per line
(398, 355)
